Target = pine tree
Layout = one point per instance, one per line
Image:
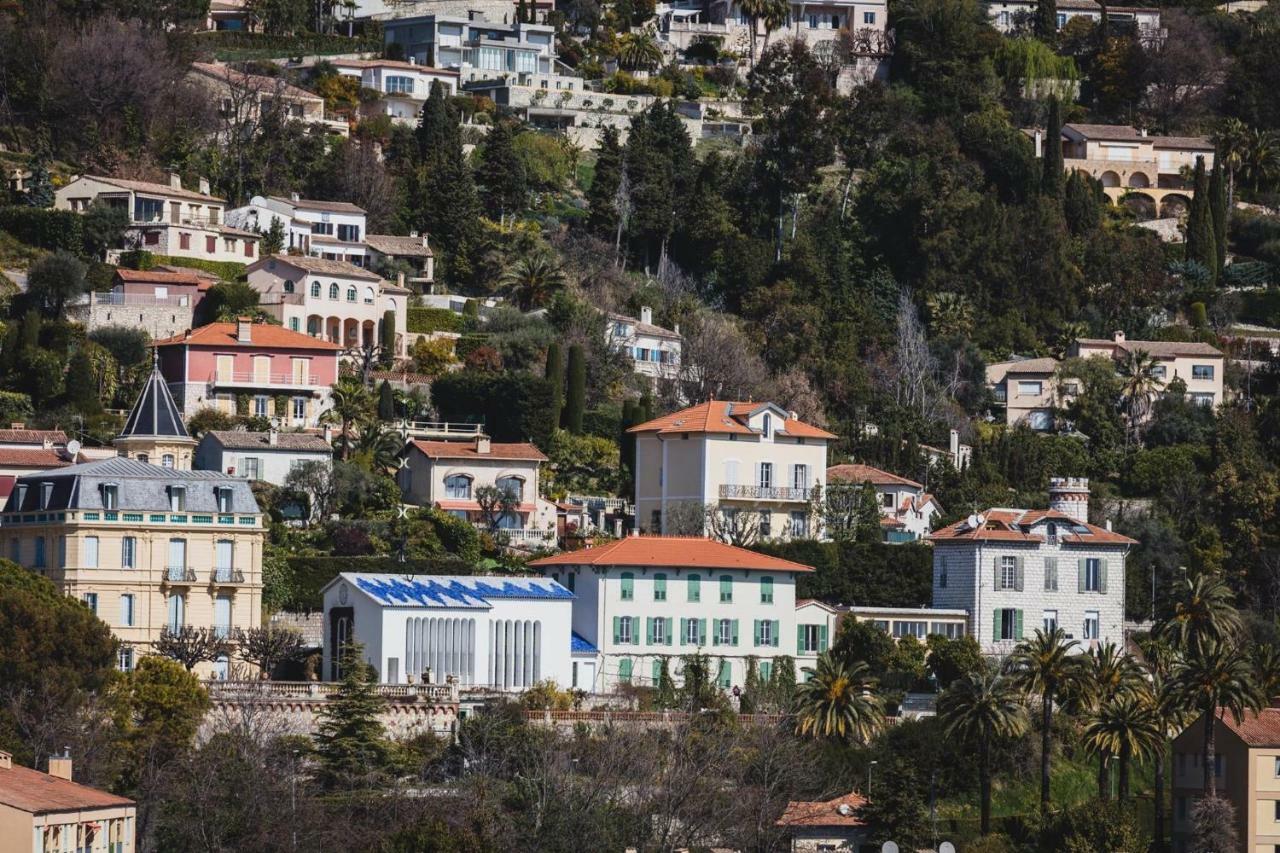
(1051, 176)
(602, 216)
(555, 375)
(272, 238)
(386, 402)
(40, 184)
(522, 13)
(1046, 23)
(443, 195)
(350, 742)
(868, 525)
(501, 174)
(1080, 204)
(1200, 243)
(575, 403)
(1218, 209)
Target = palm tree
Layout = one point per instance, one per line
(639, 50)
(1127, 727)
(1107, 673)
(1044, 665)
(380, 445)
(351, 403)
(1139, 386)
(773, 17)
(1262, 157)
(1203, 611)
(837, 701)
(1216, 678)
(980, 707)
(1232, 141)
(1266, 670)
(533, 279)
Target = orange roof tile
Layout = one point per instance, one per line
(34, 792)
(467, 450)
(724, 417)
(31, 457)
(827, 813)
(1011, 525)
(32, 436)
(260, 335)
(866, 473)
(158, 277)
(690, 551)
(1261, 728)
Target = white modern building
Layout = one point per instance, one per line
(503, 633)
(645, 600)
(404, 86)
(333, 300)
(907, 511)
(654, 351)
(1015, 570)
(735, 457)
(333, 230)
(472, 45)
(265, 456)
(1010, 15)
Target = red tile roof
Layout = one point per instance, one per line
(159, 277)
(261, 335)
(467, 450)
(34, 792)
(1255, 729)
(865, 473)
(827, 813)
(723, 417)
(684, 551)
(31, 457)
(32, 436)
(1012, 525)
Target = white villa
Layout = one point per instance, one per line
(906, 509)
(654, 351)
(333, 230)
(404, 86)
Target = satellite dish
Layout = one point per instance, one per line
(972, 521)
(889, 847)
(981, 520)
(946, 847)
(73, 448)
(844, 809)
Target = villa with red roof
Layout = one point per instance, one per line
(50, 812)
(748, 469)
(450, 475)
(1017, 570)
(906, 509)
(646, 601)
(285, 374)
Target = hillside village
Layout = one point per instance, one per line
(628, 426)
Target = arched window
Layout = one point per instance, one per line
(513, 486)
(458, 487)
(288, 285)
(333, 290)
(368, 296)
(351, 293)
(766, 424)
(315, 290)
(313, 324)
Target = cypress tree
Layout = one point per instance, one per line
(388, 337)
(555, 375)
(386, 402)
(1200, 243)
(1080, 204)
(1218, 209)
(82, 391)
(575, 403)
(443, 193)
(627, 445)
(1046, 23)
(501, 174)
(602, 215)
(522, 12)
(1051, 176)
(350, 741)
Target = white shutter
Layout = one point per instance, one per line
(731, 472)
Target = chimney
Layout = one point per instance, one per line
(1070, 496)
(17, 425)
(482, 444)
(413, 60)
(1119, 337)
(273, 437)
(1039, 143)
(295, 198)
(646, 315)
(6, 761)
(399, 279)
(954, 446)
(175, 181)
(60, 765)
(244, 330)
(204, 186)
(328, 433)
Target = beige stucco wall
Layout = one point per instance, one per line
(155, 450)
(1176, 367)
(18, 829)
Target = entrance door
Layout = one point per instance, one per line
(342, 622)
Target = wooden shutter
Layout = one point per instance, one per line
(1017, 624)
(1050, 574)
(995, 576)
(1102, 576)
(715, 634)
(670, 639)
(702, 632)
(733, 631)
(648, 631)
(635, 630)
(1080, 569)
(617, 630)
(684, 630)
(1019, 574)
(773, 635)
(799, 639)
(822, 638)
(755, 627)
(995, 625)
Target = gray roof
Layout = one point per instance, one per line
(238, 439)
(140, 487)
(155, 413)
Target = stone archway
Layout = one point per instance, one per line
(1139, 180)
(1175, 205)
(1141, 205)
(1109, 179)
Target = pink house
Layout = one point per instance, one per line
(282, 373)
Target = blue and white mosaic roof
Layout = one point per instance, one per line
(453, 591)
(580, 645)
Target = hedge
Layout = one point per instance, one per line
(225, 270)
(867, 574)
(312, 574)
(290, 45)
(467, 344)
(44, 227)
(427, 320)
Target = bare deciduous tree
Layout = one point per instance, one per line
(190, 645)
(268, 646)
(719, 361)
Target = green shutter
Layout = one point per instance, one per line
(624, 669)
(995, 626)
(670, 639)
(1017, 624)
(702, 632)
(1080, 570)
(733, 635)
(755, 626)
(1102, 576)
(617, 630)
(726, 588)
(766, 590)
(766, 671)
(777, 629)
(684, 629)
(995, 574)
(799, 639)
(1019, 574)
(822, 638)
(659, 587)
(695, 588)
(635, 630)
(657, 672)
(648, 630)
(715, 632)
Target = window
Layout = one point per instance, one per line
(1092, 574)
(324, 228)
(260, 402)
(624, 670)
(695, 588)
(333, 290)
(1091, 631)
(457, 487)
(349, 233)
(869, 18)
(110, 496)
(766, 425)
(1201, 399)
(622, 632)
(726, 589)
(1051, 574)
(813, 22)
(1062, 20)
(126, 610)
(89, 557)
(942, 573)
(886, 500)
(128, 552)
(766, 524)
(1159, 371)
(1030, 388)
(910, 628)
(222, 616)
(692, 632)
(513, 486)
(659, 587)
(223, 495)
(1008, 573)
(400, 85)
(628, 586)
(124, 662)
(147, 209)
(950, 630)
(658, 631)
(293, 324)
(177, 555)
(766, 632)
(812, 639)
(177, 498)
(184, 240)
(224, 559)
(1202, 371)
(571, 581)
(315, 290)
(1008, 624)
(766, 475)
(800, 477)
(799, 524)
(766, 590)
(351, 294)
(1050, 619)
(211, 245)
(39, 560)
(90, 600)
(299, 408)
(726, 632)
(253, 467)
(166, 461)
(177, 612)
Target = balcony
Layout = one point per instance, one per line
(179, 574)
(222, 632)
(531, 536)
(250, 380)
(227, 576)
(764, 493)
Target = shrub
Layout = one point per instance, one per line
(427, 320)
(225, 270)
(513, 407)
(46, 228)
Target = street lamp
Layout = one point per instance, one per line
(869, 766)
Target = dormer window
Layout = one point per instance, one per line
(223, 494)
(177, 498)
(766, 425)
(22, 496)
(110, 496)
(46, 494)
